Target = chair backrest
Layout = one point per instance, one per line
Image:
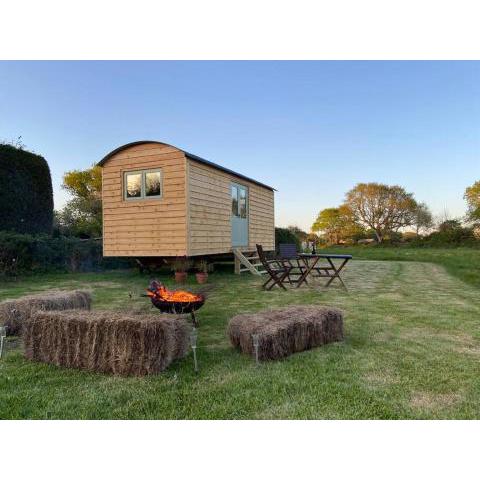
(288, 250)
(263, 259)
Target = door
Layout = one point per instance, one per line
(239, 194)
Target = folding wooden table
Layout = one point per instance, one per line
(331, 271)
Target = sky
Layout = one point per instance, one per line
(310, 129)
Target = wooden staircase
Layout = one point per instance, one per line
(247, 262)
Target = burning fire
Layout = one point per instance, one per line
(160, 292)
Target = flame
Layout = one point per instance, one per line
(161, 293)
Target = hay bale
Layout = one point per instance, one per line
(14, 313)
(106, 341)
(285, 331)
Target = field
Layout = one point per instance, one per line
(462, 262)
(411, 351)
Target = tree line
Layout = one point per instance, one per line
(369, 211)
(383, 211)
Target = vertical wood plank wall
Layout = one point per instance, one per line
(210, 211)
(156, 227)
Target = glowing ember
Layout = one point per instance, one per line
(160, 292)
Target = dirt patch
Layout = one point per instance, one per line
(106, 284)
(434, 401)
(418, 334)
(380, 378)
(395, 296)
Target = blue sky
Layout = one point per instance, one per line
(310, 129)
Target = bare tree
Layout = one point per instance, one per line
(422, 218)
(382, 208)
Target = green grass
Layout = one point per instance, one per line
(462, 262)
(412, 350)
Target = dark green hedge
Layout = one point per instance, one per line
(25, 254)
(26, 197)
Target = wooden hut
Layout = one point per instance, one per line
(161, 201)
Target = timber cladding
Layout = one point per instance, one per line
(145, 227)
(193, 215)
(210, 211)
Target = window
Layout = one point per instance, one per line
(235, 200)
(133, 185)
(152, 184)
(242, 203)
(239, 201)
(143, 184)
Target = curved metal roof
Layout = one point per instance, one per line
(188, 155)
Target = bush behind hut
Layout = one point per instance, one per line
(25, 254)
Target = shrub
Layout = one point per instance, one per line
(26, 197)
(106, 341)
(23, 254)
(284, 235)
(450, 233)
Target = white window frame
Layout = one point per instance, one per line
(143, 183)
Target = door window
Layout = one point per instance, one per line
(242, 202)
(234, 200)
(239, 201)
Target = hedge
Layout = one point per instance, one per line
(24, 254)
(26, 197)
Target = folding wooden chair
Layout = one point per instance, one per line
(277, 270)
(289, 253)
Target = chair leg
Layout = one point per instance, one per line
(264, 286)
(271, 282)
(284, 276)
(276, 280)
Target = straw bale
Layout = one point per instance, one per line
(285, 331)
(14, 313)
(106, 341)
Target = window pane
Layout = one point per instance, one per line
(152, 184)
(243, 202)
(234, 201)
(134, 185)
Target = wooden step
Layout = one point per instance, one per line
(243, 262)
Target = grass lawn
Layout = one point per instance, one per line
(412, 350)
(462, 262)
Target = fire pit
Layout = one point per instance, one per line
(174, 301)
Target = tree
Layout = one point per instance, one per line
(82, 215)
(450, 226)
(336, 224)
(422, 218)
(382, 208)
(329, 222)
(472, 196)
(298, 232)
(26, 196)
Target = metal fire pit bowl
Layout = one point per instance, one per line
(178, 308)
